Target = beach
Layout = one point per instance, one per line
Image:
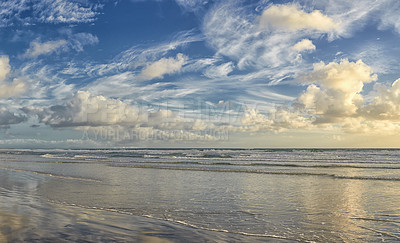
(199, 195)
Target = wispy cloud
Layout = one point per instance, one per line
(192, 5)
(73, 41)
(61, 11)
(15, 12)
(36, 48)
(219, 71)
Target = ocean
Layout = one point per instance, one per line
(200, 195)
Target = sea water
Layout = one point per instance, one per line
(197, 195)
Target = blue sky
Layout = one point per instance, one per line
(190, 73)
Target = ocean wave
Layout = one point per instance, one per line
(52, 175)
(54, 156)
(241, 164)
(260, 172)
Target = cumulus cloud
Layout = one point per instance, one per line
(162, 67)
(386, 103)
(94, 114)
(8, 118)
(9, 89)
(304, 45)
(36, 48)
(338, 93)
(344, 76)
(292, 18)
(278, 120)
(333, 100)
(84, 109)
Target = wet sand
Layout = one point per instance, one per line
(27, 217)
(60, 223)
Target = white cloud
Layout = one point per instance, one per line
(219, 71)
(87, 112)
(339, 92)
(345, 76)
(278, 120)
(234, 33)
(304, 45)
(73, 41)
(85, 109)
(385, 105)
(354, 15)
(137, 56)
(333, 101)
(5, 67)
(79, 40)
(16, 12)
(9, 89)
(64, 11)
(36, 48)
(161, 67)
(192, 5)
(292, 18)
(390, 15)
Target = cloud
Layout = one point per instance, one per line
(333, 101)
(8, 118)
(338, 94)
(87, 112)
(292, 18)
(192, 5)
(233, 32)
(85, 109)
(344, 76)
(9, 89)
(219, 71)
(74, 41)
(278, 120)
(161, 67)
(15, 12)
(61, 11)
(36, 48)
(79, 40)
(5, 67)
(137, 56)
(390, 15)
(385, 105)
(355, 15)
(304, 45)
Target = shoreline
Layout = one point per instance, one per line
(26, 217)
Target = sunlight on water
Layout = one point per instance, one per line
(301, 195)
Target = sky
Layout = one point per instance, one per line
(198, 73)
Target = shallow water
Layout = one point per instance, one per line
(204, 195)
